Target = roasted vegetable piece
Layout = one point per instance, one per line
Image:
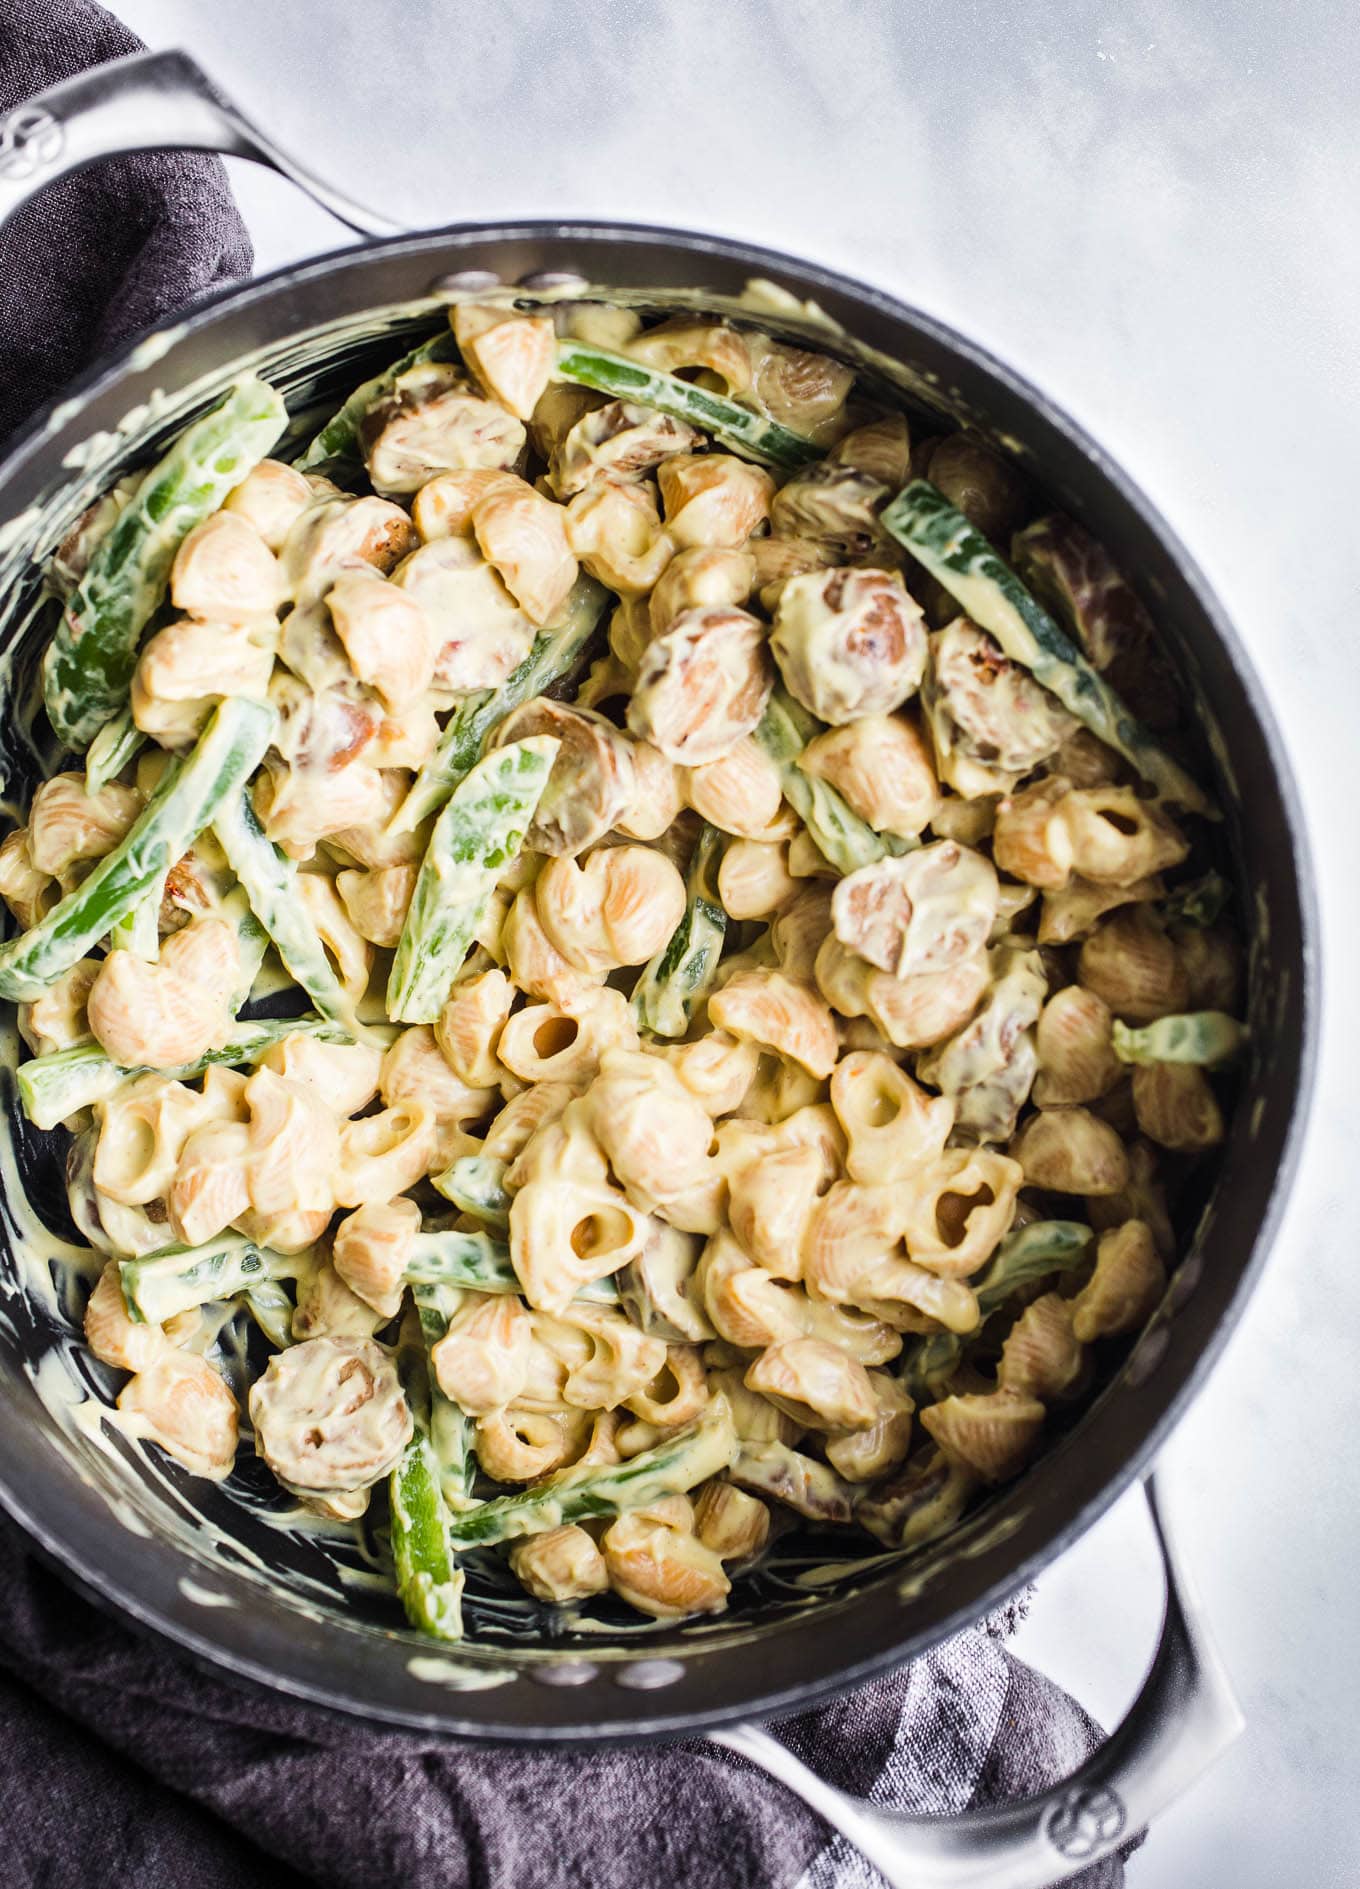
(737, 427)
(190, 794)
(953, 551)
(479, 832)
(673, 985)
(556, 653)
(702, 1449)
(88, 664)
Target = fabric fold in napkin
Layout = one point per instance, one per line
(121, 1761)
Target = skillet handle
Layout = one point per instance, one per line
(152, 101)
(1184, 1717)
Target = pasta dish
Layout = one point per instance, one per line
(644, 925)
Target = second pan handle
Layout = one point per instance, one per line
(1183, 1718)
(152, 101)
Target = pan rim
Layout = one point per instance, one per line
(153, 1616)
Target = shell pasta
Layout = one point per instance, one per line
(597, 915)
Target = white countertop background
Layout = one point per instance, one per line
(1153, 211)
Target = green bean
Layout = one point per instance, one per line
(476, 836)
(1199, 904)
(188, 796)
(53, 1088)
(1030, 1253)
(451, 1431)
(739, 427)
(556, 652)
(90, 660)
(428, 1580)
(176, 1278)
(843, 839)
(481, 1264)
(670, 988)
(117, 743)
(339, 437)
(269, 1305)
(958, 556)
(1206, 1037)
(139, 930)
(703, 1449)
(269, 880)
(476, 1186)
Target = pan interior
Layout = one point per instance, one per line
(248, 1527)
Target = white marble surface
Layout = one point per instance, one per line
(1154, 211)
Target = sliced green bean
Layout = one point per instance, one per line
(958, 556)
(558, 650)
(139, 930)
(703, 1449)
(479, 1263)
(428, 1579)
(119, 741)
(188, 796)
(54, 1088)
(476, 836)
(339, 437)
(269, 1305)
(1199, 904)
(269, 879)
(1030, 1253)
(252, 941)
(451, 1430)
(739, 427)
(1206, 1037)
(843, 839)
(177, 1278)
(89, 663)
(671, 987)
(476, 1186)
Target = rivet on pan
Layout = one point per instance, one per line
(646, 1675)
(1150, 1351)
(552, 279)
(463, 281)
(567, 1672)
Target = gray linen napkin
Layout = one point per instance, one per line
(120, 1761)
